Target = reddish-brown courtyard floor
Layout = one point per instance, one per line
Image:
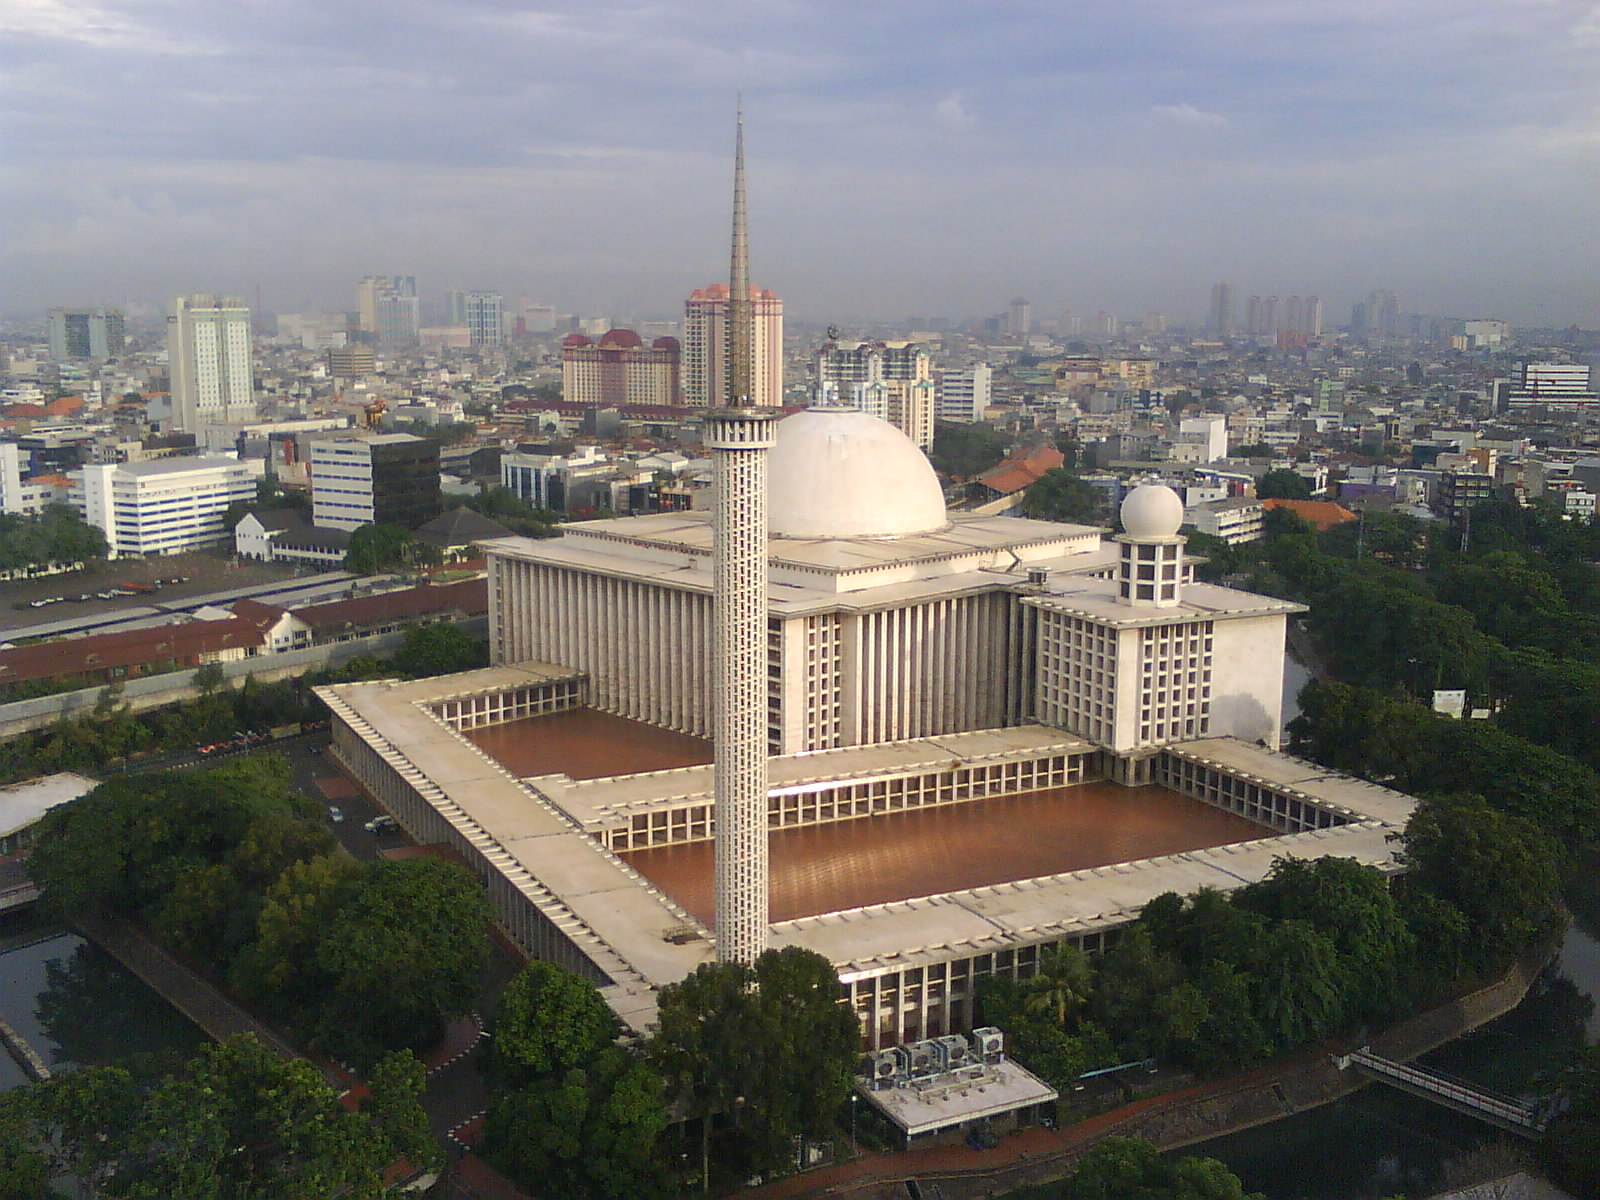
(874, 860)
(587, 745)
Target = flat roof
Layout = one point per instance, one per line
(536, 834)
(1097, 599)
(956, 1097)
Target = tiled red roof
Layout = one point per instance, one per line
(130, 649)
(1324, 514)
(470, 597)
(1020, 469)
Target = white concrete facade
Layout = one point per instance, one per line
(167, 506)
(209, 360)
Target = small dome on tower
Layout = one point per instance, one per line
(843, 473)
(1152, 510)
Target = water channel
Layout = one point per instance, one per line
(1380, 1142)
(77, 1006)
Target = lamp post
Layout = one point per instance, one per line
(855, 1149)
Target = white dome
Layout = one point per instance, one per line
(843, 473)
(1152, 510)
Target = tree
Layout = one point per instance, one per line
(1064, 983)
(1570, 1149)
(549, 1022)
(963, 451)
(1132, 1169)
(439, 649)
(400, 958)
(238, 1122)
(769, 1046)
(1283, 484)
(1300, 985)
(394, 1109)
(590, 1131)
(374, 549)
(1351, 905)
(1059, 495)
(1499, 871)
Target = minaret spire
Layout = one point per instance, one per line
(741, 328)
(739, 436)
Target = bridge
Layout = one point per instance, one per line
(1506, 1112)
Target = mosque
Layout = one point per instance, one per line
(940, 744)
(989, 736)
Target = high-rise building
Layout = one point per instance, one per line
(890, 380)
(619, 369)
(481, 314)
(1019, 318)
(705, 347)
(964, 393)
(1222, 315)
(208, 360)
(388, 309)
(386, 479)
(85, 333)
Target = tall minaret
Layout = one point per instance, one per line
(739, 437)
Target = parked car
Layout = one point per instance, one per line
(335, 814)
(380, 825)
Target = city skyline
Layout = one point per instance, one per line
(1122, 160)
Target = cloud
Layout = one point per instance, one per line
(89, 25)
(952, 113)
(1188, 115)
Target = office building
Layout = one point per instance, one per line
(164, 506)
(209, 362)
(1019, 318)
(388, 310)
(705, 347)
(1555, 387)
(1221, 317)
(964, 393)
(481, 314)
(620, 369)
(891, 380)
(85, 333)
(385, 479)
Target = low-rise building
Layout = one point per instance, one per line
(1234, 521)
(163, 506)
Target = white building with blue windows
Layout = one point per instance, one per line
(168, 506)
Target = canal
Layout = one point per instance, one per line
(1380, 1142)
(77, 1006)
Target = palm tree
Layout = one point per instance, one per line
(1062, 985)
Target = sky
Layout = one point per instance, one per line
(904, 156)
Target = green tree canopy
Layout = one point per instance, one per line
(58, 534)
(374, 549)
(1499, 871)
(590, 1132)
(769, 1044)
(962, 451)
(401, 957)
(1283, 484)
(439, 649)
(549, 1021)
(1059, 495)
(239, 1124)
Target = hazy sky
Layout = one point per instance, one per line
(905, 157)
